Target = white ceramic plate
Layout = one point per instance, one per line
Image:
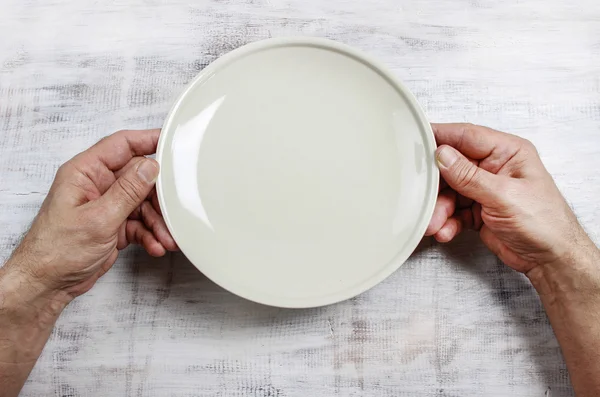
(296, 172)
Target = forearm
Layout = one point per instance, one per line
(570, 293)
(28, 312)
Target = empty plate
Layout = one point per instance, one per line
(296, 172)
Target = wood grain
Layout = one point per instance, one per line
(451, 322)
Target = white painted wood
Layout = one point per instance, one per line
(451, 322)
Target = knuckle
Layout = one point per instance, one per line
(528, 145)
(132, 190)
(469, 132)
(63, 171)
(466, 174)
(102, 140)
(147, 214)
(526, 142)
(120, 132)
(470, 129)
(527, 151)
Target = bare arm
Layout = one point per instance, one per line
(496, 183)
(100, 201)
(570, 292)
(27, 315)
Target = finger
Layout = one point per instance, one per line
(128, 191)
(442, 185)
(116, 153)
(137, 233)
(130, 164)
(155, 203)
(153, 198)
(136, 213)
(491, 241)
(473, 141)
(451, 229)
(463, 219)
(157, 225)
(494, 148)
(463, 202)
(497, 246)
(444, 208)
(477, 220)
(465, 177)
(105, 267)
(116, 150)
(87, 174)
(108, 180)
(122, 242)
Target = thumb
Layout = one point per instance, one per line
(129, 190)
(465, 177)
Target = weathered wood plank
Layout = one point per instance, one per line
(450, 322)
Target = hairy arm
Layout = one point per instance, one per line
(496, 183)
(101, 201)
(28, 312)
(570, 292)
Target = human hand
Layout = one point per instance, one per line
(101, 200)
(496, 183)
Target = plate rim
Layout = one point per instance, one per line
(429, 142)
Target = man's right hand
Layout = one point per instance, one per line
(496, 183)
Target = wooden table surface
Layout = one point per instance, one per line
(451, 322)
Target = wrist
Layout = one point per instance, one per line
(28, 312)
(571, 278)
(25, 298)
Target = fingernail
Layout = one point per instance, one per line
(446, 156)
(148, 170)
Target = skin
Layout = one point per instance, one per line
(103, 199)
(497, 184)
